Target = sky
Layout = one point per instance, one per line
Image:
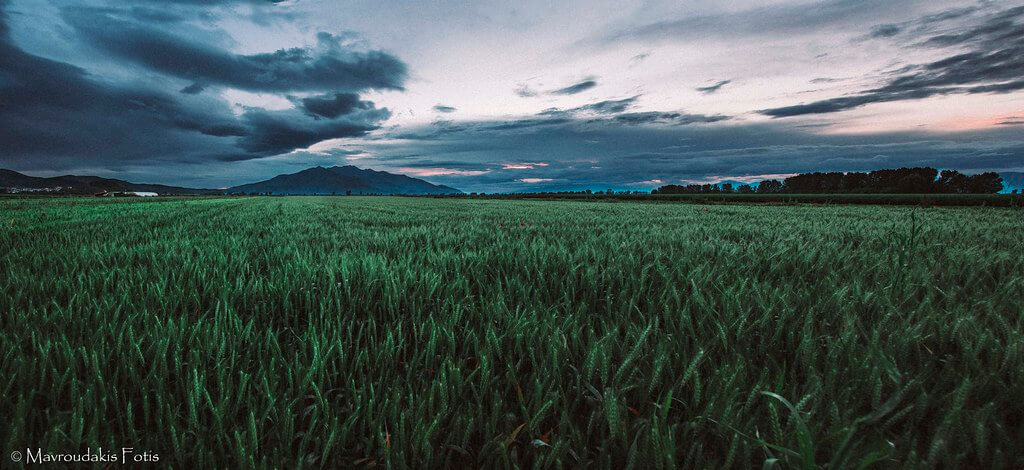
(509, 96)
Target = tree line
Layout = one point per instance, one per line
(920, 180)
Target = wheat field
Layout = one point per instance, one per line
(307, 332)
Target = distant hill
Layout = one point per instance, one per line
(1012, 180)
(341, 180)
(12, 181)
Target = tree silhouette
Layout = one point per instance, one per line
(769, 186)
(918, 180)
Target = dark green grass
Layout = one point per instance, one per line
(327, 332)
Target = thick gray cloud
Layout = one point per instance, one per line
(328, 66)
(207, 2)
(992, 63)
(277, 132)
(333, 105)
(55, 111)
(57, 115)
(193, 89)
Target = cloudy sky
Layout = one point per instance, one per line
(509, 96)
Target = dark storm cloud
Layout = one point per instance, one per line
(155, 15)
(4, 30)
(54, 111)
(56, 115)
(575, 88)
(713, 88)
(994, 63)
(444, 109)
(193, 89)
(208, 2)
(221, 130)
(328, 66)
(332, 106)
(277, 132)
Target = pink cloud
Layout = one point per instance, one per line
(441, 171)
(522, 166)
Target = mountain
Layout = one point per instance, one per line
(341, 180)
(1012, 180)
(12, 181)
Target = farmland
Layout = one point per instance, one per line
(411, 332)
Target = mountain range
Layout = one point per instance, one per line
(13, 181)
(342, 180)
(318, 180)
